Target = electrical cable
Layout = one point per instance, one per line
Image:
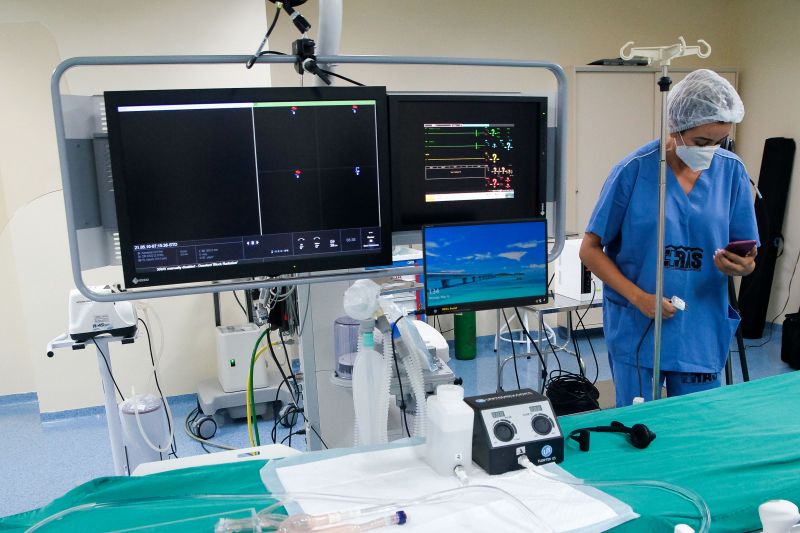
(533, 342)
(249, 392)
(251, 416)
(305, 313)
(288, 360)
(259, 53)
(240, 303)
(397, 371)
(553, 350)
(575, 347)
(586, 333)
(591, 347)
(783, 309)
(158, 387)
(513, 349)
(638, 364)
(345, 78)
(295, 400)
(572, 391)
(315, 431)
(108, 367)
(274, 433)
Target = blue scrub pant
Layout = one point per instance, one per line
(627, 382)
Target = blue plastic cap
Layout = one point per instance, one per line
(401, 518)
(369, 340)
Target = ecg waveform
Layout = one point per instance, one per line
(469, 161)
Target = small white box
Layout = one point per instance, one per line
(234, 349)
(572, 278)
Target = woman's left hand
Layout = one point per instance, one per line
(731, 264)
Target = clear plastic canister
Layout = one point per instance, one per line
(345, 338)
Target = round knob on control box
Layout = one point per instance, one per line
(504, 431)
(542, 424)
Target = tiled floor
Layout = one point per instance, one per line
(40, 461)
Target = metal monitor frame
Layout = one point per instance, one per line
(559, 149)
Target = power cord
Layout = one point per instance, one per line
(638, 364)
(513, 349)
(240, 303)
(108, 367)
(783, 309)
(533, 343)
(397, 371)
(586, 334)
(259, 53)
(570, 392)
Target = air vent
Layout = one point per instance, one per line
(100, 122)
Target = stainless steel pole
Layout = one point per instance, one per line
(664, 84)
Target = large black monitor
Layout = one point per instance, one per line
(467, 158)
(217, 184)
(469, 267)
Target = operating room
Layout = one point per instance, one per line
(328, 265)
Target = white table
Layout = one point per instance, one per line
(556, 304)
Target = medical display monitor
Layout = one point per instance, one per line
(218, 184)
(469, 267)
(467, 158)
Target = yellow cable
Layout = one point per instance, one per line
(250, 417)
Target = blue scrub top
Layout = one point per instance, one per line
(718, 210)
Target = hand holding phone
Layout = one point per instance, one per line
(741, 248)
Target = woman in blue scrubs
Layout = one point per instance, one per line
(708, 205)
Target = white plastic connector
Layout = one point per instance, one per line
(462, 476)
(778, 516)
(679, 304)
(683, 528)
(638, 400)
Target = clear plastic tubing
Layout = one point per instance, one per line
(691, 496)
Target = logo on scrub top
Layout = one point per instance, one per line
(683, 258)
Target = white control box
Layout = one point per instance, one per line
(234, 349)
(572, 278)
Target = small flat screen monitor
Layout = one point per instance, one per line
(469, 267)
(467, 158)
(218, 184)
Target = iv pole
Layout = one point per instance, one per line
(663, 55)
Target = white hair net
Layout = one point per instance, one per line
(700, 98)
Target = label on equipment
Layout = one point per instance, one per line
(101, 322)
(547, 450)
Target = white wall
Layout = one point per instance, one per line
(35, 275)
(35, 36)
(768, 44)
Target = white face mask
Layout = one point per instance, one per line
(697, 157)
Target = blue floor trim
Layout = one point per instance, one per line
(95, 410)
(16, 399)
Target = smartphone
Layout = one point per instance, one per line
(740, 247)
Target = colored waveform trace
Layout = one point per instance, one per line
(496, 138)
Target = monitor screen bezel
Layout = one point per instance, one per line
(540, 188)
(485, 304)
(113, 99)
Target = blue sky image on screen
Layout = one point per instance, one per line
(465, 264)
